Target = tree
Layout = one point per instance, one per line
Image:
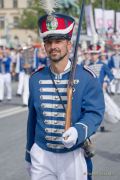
(29, 18)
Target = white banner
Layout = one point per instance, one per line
(109, 19)
(118, 21)
(99, 18)
(89, 20)
(104, 19)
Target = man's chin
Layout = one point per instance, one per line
(56, 59)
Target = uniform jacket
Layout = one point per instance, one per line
(114, 61)
(46, 119)
(7, 64)
(0, 65)
(101, 70)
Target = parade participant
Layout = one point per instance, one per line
(85, 54)
(20, 71)
(87, 57)
(104, 57)
(1, 75)
(114, 65)
(52, 153)
(43, 60)
(98, 66)
(6, 70)
(102, 71)
(24, 67)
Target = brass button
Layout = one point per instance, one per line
(56, 114)
(45, 121)
(54, 138)
(41, 89)
(58, 81)
(56, 106)
(41, 97)
(46, 130)
(56, 97)
(55, 122)
(55, 130)
(42, 105)
(44, 113)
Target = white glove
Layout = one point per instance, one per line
(28, 167)
(69, 137)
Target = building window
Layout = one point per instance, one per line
(1, 3)
(2, 22)
(15, 3)
(16, 21)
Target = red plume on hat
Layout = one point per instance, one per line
(95, 48)
(54, 25)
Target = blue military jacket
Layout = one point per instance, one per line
(7, 64)
(101, 70)
(114, 61)
(46, 119)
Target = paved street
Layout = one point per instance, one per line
(13, 118)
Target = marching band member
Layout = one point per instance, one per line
(20, 72)
(1, 75)
(98, 66)
(52, 153)
(6, 74)
(114, 65)
(24, 66)
(112, 111)
(27, 55)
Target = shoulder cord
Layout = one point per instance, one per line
(57, 91)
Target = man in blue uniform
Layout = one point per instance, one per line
(102, 71)
(98, 66)
(114, 65)
(52, 152)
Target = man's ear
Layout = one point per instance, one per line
(69, 46)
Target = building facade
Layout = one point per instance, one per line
(10, 11)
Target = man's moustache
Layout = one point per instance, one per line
(54, 50)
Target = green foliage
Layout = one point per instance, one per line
(29, 18)
(115, 5)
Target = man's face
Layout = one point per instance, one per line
(57, 49)
(94, 57)
(87, 56)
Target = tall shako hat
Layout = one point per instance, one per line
(94, 49)
(54, 25)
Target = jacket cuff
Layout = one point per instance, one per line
(82, 130)
(27, 156)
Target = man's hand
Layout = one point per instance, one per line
(69, 137)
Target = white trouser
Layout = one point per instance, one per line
(118, 86)
(57, 166)
(25, 89)
(115, 86)
(20, 83)
(8, 85)
(1, 87)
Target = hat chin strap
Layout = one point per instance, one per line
(60, 31)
